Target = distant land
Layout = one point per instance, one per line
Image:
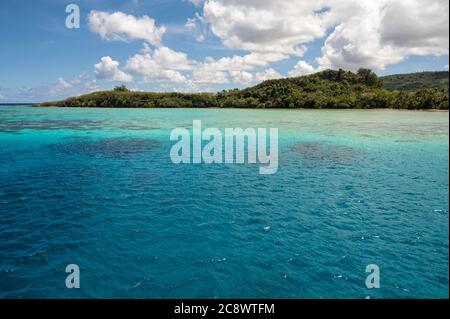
(416, 81)
(329, 89)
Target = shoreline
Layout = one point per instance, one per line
(329, 89)
(230, 108)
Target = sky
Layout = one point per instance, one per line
(208, 45)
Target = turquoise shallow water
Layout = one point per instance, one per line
(96, 187)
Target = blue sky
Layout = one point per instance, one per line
(208, 45)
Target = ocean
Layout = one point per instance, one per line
(97, 188)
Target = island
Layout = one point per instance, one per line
(328, 89)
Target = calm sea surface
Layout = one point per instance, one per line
(97, 188)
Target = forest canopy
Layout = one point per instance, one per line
(331, 89)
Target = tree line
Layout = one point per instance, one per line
(329, 89)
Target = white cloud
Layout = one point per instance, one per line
(164, 65)
(119, 26)
(108, 70)
(63, 83)
(188, 86)
(237, 67)
(60, 89)
(248, 62)
(302, 68)
(160, 64)
(385, 32)
(356, 33)
(77, 85)
(269, 74)
(202, 75)
(241, 76)
(200, 38)
(265, 26)
(362, 33)
(194, 27)
(191, 23)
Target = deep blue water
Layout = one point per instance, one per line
(96, 187)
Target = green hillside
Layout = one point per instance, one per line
(415, 81)
(327, 89)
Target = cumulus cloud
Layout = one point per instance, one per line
(302, 68)
(246, 62)
(160, 64)
(119, 26)
(241, 76)
(188, 86)
(237, 67)
(385, 32)
(357, 33)
(163, 64)
(203, 75)
(108, 70)
(269, 74)
(422, 31)
(265, 26)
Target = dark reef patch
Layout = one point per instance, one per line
(317, 152)
(11, 126)
(116, 148)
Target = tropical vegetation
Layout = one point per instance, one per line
(331, 89)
